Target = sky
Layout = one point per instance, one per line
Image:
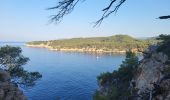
(28, 20)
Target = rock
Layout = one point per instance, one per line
(165, 91)
(150, 78)
(148, 52)
(150, 71)
(4, 76)
(165, 85)
(160, 57)
(2, 94)
(8, 90)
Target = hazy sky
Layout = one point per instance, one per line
(27, 20)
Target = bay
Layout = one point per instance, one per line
(66, 75)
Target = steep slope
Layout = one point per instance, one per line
(149, 80)
(152, 80)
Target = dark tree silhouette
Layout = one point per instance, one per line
(65, 7)
(12, 61)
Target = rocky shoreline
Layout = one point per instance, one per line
(83, 49)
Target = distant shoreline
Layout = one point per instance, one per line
(111, 44)
(94, 50)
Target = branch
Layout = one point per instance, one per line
(65, 7)
(164, 17)
(107, 12)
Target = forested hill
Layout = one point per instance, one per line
(116, 43)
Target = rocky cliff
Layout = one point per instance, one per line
(152, 78)
(147, 79)
(8, 90)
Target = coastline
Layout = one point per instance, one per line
(93, 50)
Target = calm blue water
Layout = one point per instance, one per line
(66, 76)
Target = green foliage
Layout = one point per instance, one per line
(118, 81)
(104, 77)
(37, 42)
(11, 60)
(164, 45)
(128, 66)
(97, 96)
(121, 42)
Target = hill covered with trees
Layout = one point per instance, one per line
(116, 43)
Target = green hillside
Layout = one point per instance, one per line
(120, 42)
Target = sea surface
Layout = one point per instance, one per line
(66, 75)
